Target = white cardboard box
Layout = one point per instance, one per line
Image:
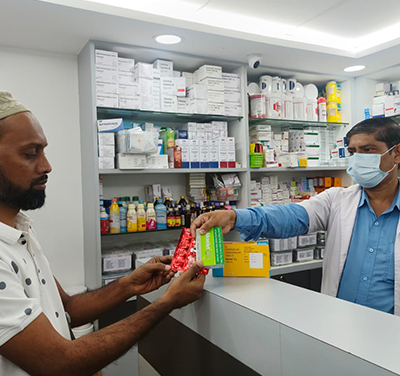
(107, 100)
(126, 65)
(146, 102)
(215, 108)
(198, 106)
(106, 163)
(168, 86)
(183, 105)
(231, 81)
(206, 71)
(106, 73)
(126, 77)
(166, 67)
(197, 91)
(157, 161)
(188, 78)
(106, 58)
(129, 101)
(128, 88)
(180, 86)
(169, 103)
(110, 125)
(145, 86)
(106, 139)
(156, 73)
(130, 161)
(233, 96)
(143, 70)
(233, 109)
(106, 86)
(215, 96)
(216, 84)
(156, 102)
(107, 151)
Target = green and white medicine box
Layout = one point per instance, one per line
(210, 248)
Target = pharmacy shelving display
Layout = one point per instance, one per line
(131, 182)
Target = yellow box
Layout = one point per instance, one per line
(337, 182)
(328, 182)
(302, 162)
(245, 260)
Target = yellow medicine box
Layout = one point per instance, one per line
(245, 260)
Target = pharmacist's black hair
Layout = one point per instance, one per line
(385, 130)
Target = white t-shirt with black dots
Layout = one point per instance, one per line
(27, 287)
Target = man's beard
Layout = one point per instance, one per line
(23, 199)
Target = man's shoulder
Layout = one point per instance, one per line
(344, 191)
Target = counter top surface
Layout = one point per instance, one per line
(363, 332)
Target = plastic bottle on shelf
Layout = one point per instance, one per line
(115, 220)
(193, 212)
(170, 218)
(151, 223)
(168, 204)
(156, 202)
(222, 206)
(122, 215)
(131, 219)
(135, 201)
(161, 215)
(104, 225)
(227, 205)
(322, 110)
(188, 217)
(141, 215)
(331, 92)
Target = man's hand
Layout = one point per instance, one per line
(186, 288)
(151, 276)
(221, 218)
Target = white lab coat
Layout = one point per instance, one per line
(335, 210)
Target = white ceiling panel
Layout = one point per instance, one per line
(287, 12)
(358, 18)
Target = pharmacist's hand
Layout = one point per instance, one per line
(186, 288)
(222, 218)
(151, 276)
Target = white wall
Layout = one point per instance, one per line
(47, 83)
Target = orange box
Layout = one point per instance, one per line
(328, 182)
(337, 182)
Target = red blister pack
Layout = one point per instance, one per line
(185, 255)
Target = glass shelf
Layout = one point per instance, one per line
(286, 122)
(305, 169)
(153, 116)
(142, 232)
(172, 171)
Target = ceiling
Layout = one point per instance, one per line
(308, 36)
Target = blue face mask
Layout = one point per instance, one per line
(364, 169)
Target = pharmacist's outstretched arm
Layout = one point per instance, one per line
(90, 306)
(223, 218)
(272, 221)
(40, 350)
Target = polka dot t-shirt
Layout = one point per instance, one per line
(27, 287)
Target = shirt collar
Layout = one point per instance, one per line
(395, 203)
(11, 235)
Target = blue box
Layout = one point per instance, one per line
(194, 164)
(205, 164)
(185, 165)
(181, 134)
(214, 164)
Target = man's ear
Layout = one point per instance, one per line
(396, 153)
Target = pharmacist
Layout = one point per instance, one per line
(362, 255)
(34, 333)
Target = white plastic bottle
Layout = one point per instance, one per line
(131, 219)
(151, 223)
(141, 218)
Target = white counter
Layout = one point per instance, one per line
(279, 329)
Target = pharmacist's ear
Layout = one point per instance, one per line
(396, 153)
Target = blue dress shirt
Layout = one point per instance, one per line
(272, 221)
(368, 274)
